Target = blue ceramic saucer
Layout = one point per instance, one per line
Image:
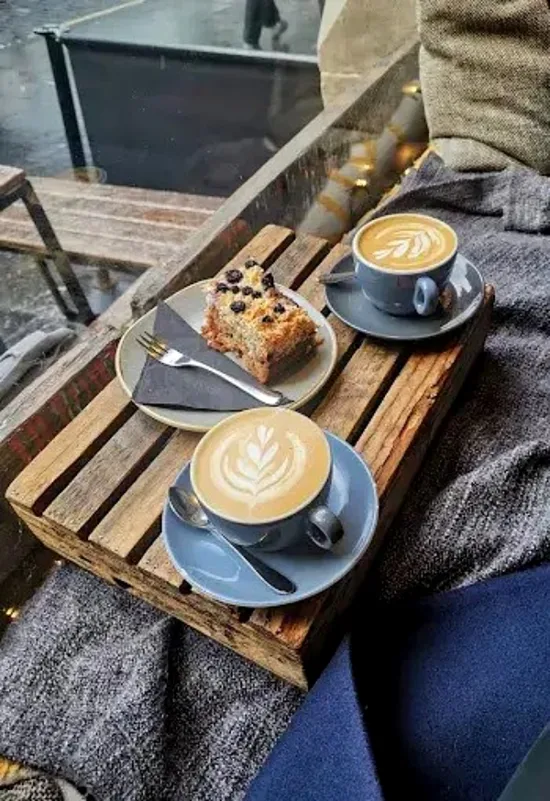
(350, 304)
(214, 570)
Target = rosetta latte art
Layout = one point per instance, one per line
(259, 468)
(409, 243)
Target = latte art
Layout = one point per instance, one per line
(410, 244)
(259, 468)
(260, 465)
(407, 242)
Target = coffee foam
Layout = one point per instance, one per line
(407, 242)
(261, 465)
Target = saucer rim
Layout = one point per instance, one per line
(281, 600)
(457, 321)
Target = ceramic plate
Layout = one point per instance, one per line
(300, 385)
(214, 570)
(350, 304)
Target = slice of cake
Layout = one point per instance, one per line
(248, 316)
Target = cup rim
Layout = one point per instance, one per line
(266, 520)
(387, 271)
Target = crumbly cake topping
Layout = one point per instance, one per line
(251, 294)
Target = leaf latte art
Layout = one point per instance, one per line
(411, 245)
(407, 242)
(260, 467)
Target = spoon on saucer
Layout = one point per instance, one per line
(336, 278)
(187, 508)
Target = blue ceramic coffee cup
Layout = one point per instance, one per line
(394, 285)
(263, 478)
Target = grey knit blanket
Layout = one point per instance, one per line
(101, 689)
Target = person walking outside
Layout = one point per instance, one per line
(261, 14)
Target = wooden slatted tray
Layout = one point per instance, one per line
(96, 492)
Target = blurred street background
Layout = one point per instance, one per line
(31, 131)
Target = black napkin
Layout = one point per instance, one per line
(190, 387)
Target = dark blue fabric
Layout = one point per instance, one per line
(325, 753)
(456, 690)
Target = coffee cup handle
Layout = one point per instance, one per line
(426, 296)
(324, 529)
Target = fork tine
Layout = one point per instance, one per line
(155, 341)
(154, 352)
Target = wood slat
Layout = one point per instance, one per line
(59, 462)
(311, 288)
(10, 178)
(313, 291)
(157, 217)
(354, 395)
(108, 474)
(82, 247)
(300, 258)
(123, 229)
(126, 528)
(157, 563)
(149, 215)
(41, 410)
(109, 225)
(127, 194)
(393, 444)
(265, 247)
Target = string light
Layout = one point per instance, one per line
(11, 612)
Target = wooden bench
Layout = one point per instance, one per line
(112, 226)
(132, 229)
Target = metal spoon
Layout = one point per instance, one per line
(186, 506)
(336, 278)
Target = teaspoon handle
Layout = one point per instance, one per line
(269, 575)
(336, 278)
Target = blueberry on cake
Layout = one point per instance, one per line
(248, 316)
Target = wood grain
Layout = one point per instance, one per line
(152, 216)
(108, 474)
(83, 247)
(10, 178)
(130, 525)
(313, 291)
(157, 563)
(112, 228)
(138, 197)
(265, 247)
(58, 463)
(134, 229)
(299, 259)
(356, 392)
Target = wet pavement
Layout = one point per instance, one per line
(31, 131)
